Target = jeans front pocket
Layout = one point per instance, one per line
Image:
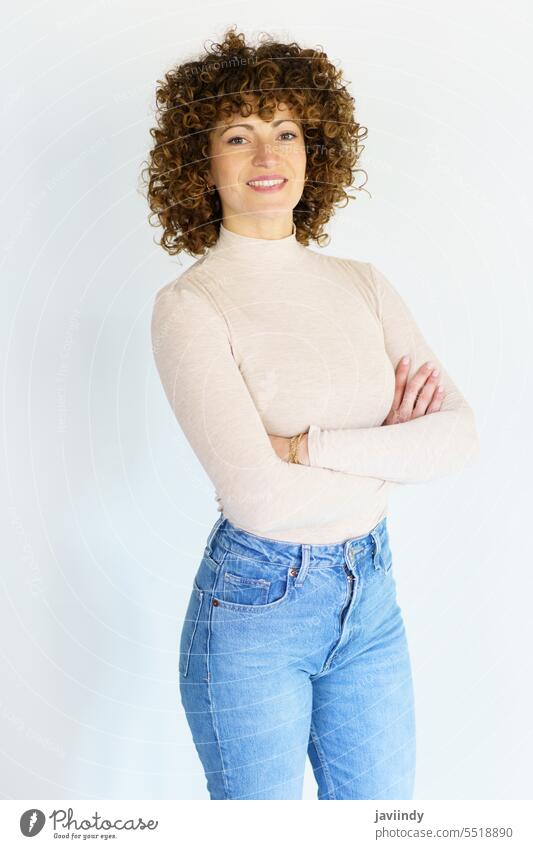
(247, 584)
(242, 589)
(189, 627)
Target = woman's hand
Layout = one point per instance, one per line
(280, 444)
(416, 397)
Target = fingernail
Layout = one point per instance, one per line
(435, 372)
(405, 360)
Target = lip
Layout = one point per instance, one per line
(268, 188)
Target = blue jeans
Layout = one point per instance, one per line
(291, 649)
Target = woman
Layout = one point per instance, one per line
(285, 371)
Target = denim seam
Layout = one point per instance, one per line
(213, 710)
(249, 582)
(213, 564)
(339, 626)
(323, 762)
(186, 660)
(327, 564)
(238, 554)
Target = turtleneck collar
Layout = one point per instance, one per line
(236, 247)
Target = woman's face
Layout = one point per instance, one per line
(250, 149)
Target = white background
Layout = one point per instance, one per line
(106, 510)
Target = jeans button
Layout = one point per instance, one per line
(294, 572)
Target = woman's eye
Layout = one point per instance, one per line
(242, 139)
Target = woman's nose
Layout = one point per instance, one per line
(265, 154)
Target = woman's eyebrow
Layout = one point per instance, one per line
(251, 126)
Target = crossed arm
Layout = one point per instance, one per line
(211, 402)
(423, 448)
(413, 397)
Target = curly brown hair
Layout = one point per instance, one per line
(197, 94)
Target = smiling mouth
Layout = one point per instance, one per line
(267, 185)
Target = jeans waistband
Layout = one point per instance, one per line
(227, 537)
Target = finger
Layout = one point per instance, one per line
(413, 388)
(436, 402)
(425, 395)
(402, 372)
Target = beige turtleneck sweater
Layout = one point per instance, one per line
(267, 336)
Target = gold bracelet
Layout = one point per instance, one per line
(290, 458)
(294, 444)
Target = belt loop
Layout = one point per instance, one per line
(212, 533)
(304, 566)
(377, 548)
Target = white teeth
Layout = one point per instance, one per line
(265, 182)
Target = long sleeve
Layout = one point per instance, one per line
(192, 348)
(419, 450)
